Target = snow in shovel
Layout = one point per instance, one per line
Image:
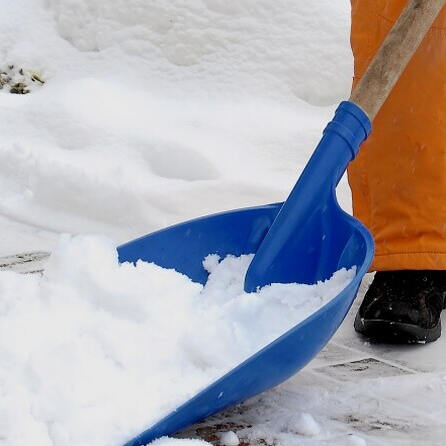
(94, 352)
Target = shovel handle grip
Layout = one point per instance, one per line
(394, 54)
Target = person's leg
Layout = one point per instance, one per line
(398, 182)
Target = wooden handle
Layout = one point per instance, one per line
(394, 54)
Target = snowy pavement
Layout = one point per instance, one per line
(355, 393)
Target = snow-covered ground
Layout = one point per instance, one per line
(154, 112)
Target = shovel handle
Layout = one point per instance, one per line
(393, 56)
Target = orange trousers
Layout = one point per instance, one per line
(398, 179)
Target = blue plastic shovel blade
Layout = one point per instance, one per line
(320, 239)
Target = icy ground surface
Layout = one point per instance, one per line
(94, 352)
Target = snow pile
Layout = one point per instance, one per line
(156, 112)
(246, 45)
(94, 352)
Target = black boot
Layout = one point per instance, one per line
(403, 307)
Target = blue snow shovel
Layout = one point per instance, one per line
(304, 240)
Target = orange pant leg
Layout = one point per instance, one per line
(398, 179)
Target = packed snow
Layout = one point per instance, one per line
(95, 352)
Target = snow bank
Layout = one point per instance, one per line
(156, 112)
(94, 352)
(292, 48)
(229, 438)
